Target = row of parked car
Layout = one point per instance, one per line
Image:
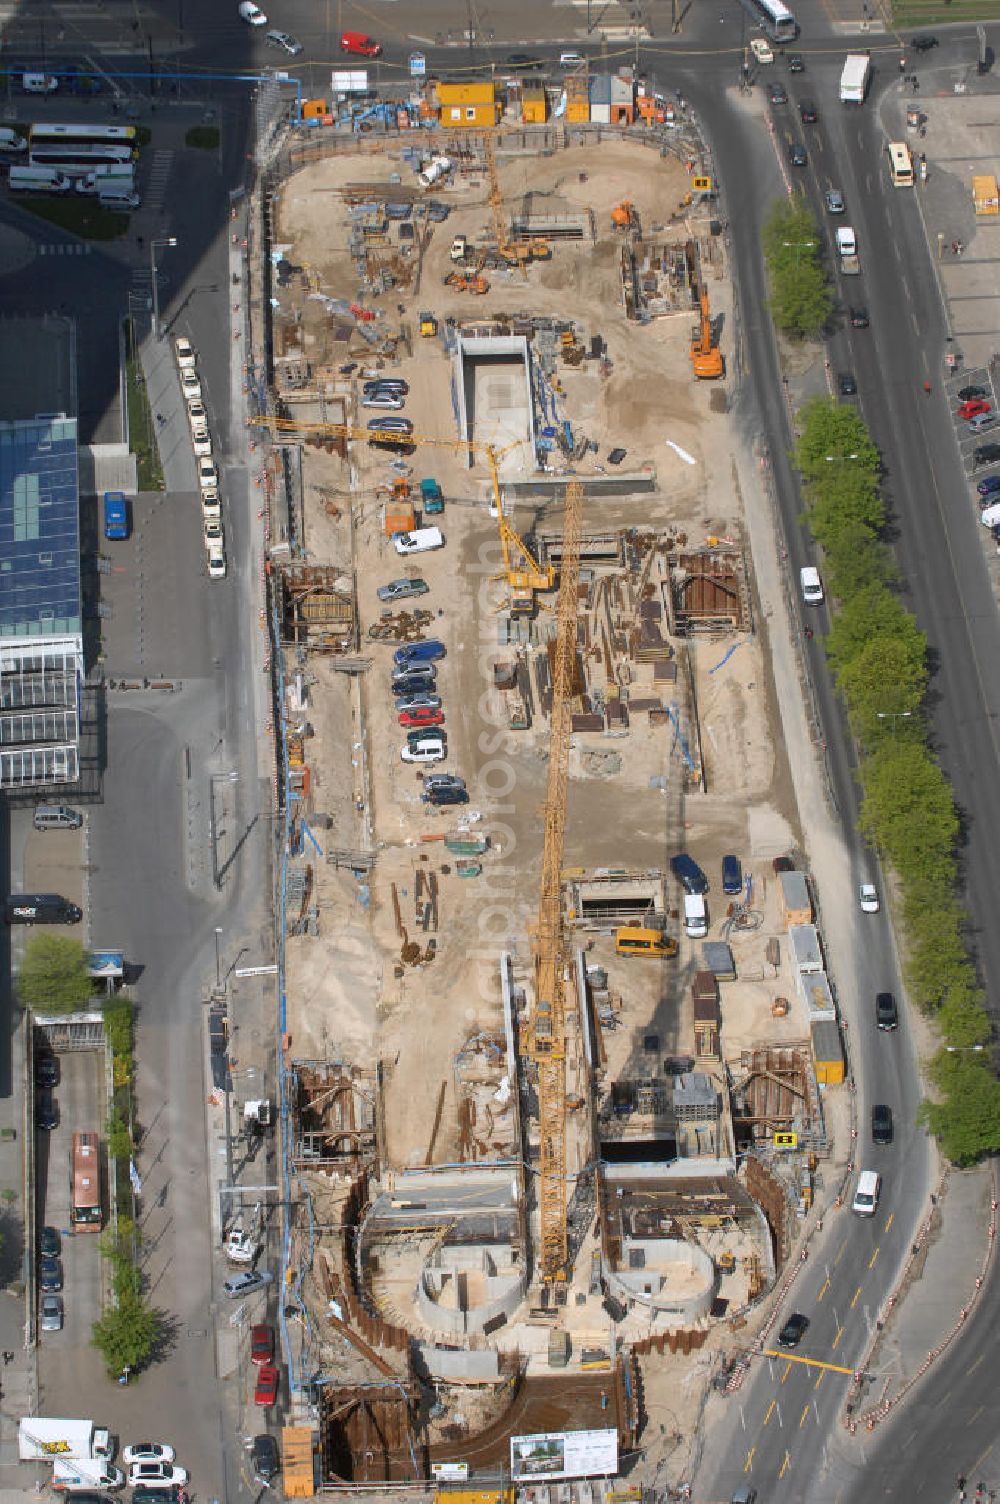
(419, 708)
(208, 471)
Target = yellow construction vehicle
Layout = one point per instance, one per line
(625, 216)
(428, 325)
(706, 357)
(513, 252)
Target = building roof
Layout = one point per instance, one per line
(39, 529)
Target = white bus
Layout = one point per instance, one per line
(79, 159)
(775, 18)
(37, 180)
(900, 164)
(82, 135)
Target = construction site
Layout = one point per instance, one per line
(553, 1130)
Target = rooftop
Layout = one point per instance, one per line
(39, 529)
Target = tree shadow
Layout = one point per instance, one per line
(168, 1328)
(11, 1248)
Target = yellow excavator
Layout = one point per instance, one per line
(706, 357)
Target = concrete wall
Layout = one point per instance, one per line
(504, 1282)
(651, 1287)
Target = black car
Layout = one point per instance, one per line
(688, 873)
(923, 43)
(986, 454)
(50, 1275)
(848, 385)
(46, 1112)
(795, 63)
(859, 318)
(168, 1494)
(793, 1331)
(886, 1014)
(522, 60)
(264, 1457)
(797, 155)
(732, 876)
(414, 681)
(808, 113)
(970, 393)
(46, 1071)
(779, 94)
(439, 797)
(881, 1124)
(49, 1242)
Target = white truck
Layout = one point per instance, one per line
(41, 1438)
(854, 78)
(847, 250)
(74, 1473)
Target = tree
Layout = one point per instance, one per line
(874, 612)
(127, 1333)
(832, 437)
(55, 975)
(966, 1120)
(884, 682)
(908, 810)
(855, 560)
(800, 298)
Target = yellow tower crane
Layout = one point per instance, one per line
(521, 570)
(515, 252)
(547, 1036)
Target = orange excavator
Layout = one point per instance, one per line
(706, 357)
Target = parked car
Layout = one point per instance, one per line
(968, 393)
(208, 473)
(438, 797)
(428, 749)
(46, 1112)
(147, 1451)
(834, 201)
(201, 439)
(387, 383)
(197, 414)
(886, 1014)
(153, 1473)
(390, 425)
(266, 1388)
(973, 405)
(421, 718)
(418, 703)
(190, 385)
(380, 398)
(418, 652)
(793, 1331)
(46, 1070)
(732, 876)
(264, 1457)
(417, 680)
(982, 421)
(49, 1242)
(986, 454)
(164, 1493)
(443, 781)
(989, 486)
(881, 1124)
(688, 873)
(185, 353)
(418, 542)
(211, 505)
(262, 1343)
(239, 1285)
(51, 1314)
(216, 561)
(283, 41)
(797, 155)
(402, 589)
(50, 1274)
(868, 898)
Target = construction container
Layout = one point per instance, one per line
(577, 98)
(807, 954)
(314, 109)
(622, 100)
(464, 844)
(534, 105)
(796, 902)
(828, 1053)
(718, 958)
(816, 997)
(559, 1349)
(400, 517)
(468, 105)
(600, 99)
(706, 1023)
(985, 195)
(298, 1475)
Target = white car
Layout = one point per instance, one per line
(216, 562)
(868, 898)
(213, 532)
(241, 1246)
(418, 542)
(155, 1474)
(190, 385)
(201, 439)
(430, 749)
(761, 50)
(251, 14)
(184, 350)
(211, 506)
(208, 474)
(196, 412)
(147, 1451)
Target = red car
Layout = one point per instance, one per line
(359, 43)
(266, 1391)
(262, 1344)
(421, 718)
(973, 407)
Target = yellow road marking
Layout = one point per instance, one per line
(857, 1295)
(784, 1465)
(871, 1261)
(808, 1363)
(889, 1221)
(840, 1333)
(802, 1417)
(819, 1381)
(840, 1255)
(826, 1286)
(770, 1411)
(749, 1462)
(787, 1371)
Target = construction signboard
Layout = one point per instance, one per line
(564, 1454)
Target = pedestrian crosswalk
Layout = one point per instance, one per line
(159, 174)
(64, 248)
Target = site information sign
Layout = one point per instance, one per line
(564, 1454)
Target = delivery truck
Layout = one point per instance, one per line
(71, 1474)
(40, 1438)
(854, 78)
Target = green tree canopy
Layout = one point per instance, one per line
(908, 809)
(967, 1121)
(833, 437)
(127, 1333)
(55, 975)
(800, 298)
(885, 681)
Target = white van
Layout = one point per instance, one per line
(811, 586)
(57, 817)
(847, 244)
(866, 1194)
(695, 916)
(571, 59)
(37, 180)
(39, 83)
(112, 195)
(418, 542)
(11, 140)
(109, 172)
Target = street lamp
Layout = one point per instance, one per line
(957, 1049)
(836, 459)
(168, 240)
(894, 716)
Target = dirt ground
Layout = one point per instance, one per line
(350, 994)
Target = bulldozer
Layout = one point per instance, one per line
(706, 357)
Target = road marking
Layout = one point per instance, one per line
(840, 1333)
(977, 1412)
(819, 1381)
(787, 1371)
(826, 1286)
(809, 1363)
(802, 1417)
(857, 1295)
(840, 1255)
(889, 1221)
(786, 1462)
(973, 1366)
(770, 1411)
(871, 1261)
(748, 1465)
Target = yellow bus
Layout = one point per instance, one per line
(632, 940)
(900, 164)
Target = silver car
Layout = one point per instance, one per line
(51, 1313)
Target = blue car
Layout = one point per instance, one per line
(418, 652)
(990, 486)
(732, 876)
